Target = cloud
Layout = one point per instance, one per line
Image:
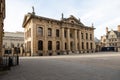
(102, 13)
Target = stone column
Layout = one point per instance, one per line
(68, 40)
(80, 44)
(62, 40)
(84, 42)
(45, 41)
(75, 40)
(54, 41)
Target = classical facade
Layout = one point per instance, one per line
(12, 40)
(46, 36)
(111, 39)
(2, 17)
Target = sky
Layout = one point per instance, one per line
(102, 13)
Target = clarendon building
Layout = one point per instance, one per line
(47, 36)
(12, 40)
(111, 39)
(2, 17)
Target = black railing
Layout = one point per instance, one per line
(8, 61)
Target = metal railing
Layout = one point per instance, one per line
(8, 61)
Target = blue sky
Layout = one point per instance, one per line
(103, 13)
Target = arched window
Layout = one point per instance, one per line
(65, 46)
(40, 31)
(82, 45)
(78, 46)
(57, 32)
(49, 32)
(82, 36)
(65, 33)
(91, 45)
(57, 45)
(49, 45)
(86, 35)
(87, 45)
(40, 45)
(71, 45)
(90, 36)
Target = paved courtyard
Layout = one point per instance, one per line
(98, 66)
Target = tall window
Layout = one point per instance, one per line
(65, 33)
(40, 45)
(87, 45)
(82, 45)
(49, 45)
(71, 35)
(49, 32)
(78, 46)
(82, 36)
(77, 34)
(40, 31)
(57, 45)
(57, 32)
(91, 45)
(90, 36)
(86, 35)
(71, 45)
(65, 46)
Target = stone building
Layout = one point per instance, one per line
(111, 39)
(2, 17)
(97, 44)
(47, 36)
(12, 40)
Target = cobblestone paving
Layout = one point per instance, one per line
(99, 66)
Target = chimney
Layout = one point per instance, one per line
(118, 28)
(106, 29)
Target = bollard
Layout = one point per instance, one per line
(17, 60)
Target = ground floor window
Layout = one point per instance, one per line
(40, 45)
(49, 45)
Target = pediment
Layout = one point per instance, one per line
(26, 19)
(72, 20)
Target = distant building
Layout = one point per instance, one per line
(97, 44)
(12, 40)
(46, 36)
(111, 39)
(2, 17)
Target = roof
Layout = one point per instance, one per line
(116, 32)
(29, 16)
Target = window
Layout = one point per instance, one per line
(86, 35)
(65, 33)
(91, 45)
(40, 31)
(82, 45)
(78, 46)
(65, 46)
(49, 45)
(57, 45)
(71, 45)
(40, 45)
(49, 32)
(82, 35)
(87, 45)
(71, 35)
(57, 33)
(90, 36)
(77, 34)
